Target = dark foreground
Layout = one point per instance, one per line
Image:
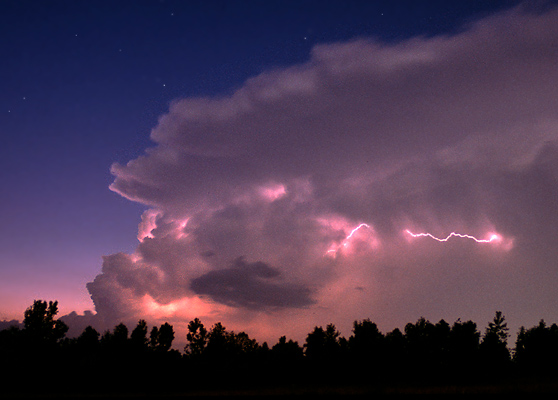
(39, 361)
(530, 387)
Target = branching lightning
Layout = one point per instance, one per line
(492, 237)
(345, 241)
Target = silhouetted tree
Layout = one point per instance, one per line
(419, 349)
(166, 337)
(366, 338)
(153, 338)
(160, 339)
(39, 343)
(395, 349)
(536, 350)
(40, 326)
(84, 355)
(106, 339)
(217, 342)
(115, 347)
(440, 346)
(138, 336)
(196, 337)
(120, 334)
(464, 341)
(499, 328)
(242, 345)
(367, 351)
(493, 349)
(323, 344)
(426, 348)
(464, 338)
(315, 343)
(88, 341)
(287, 351)
(286, 361)
(227, 346)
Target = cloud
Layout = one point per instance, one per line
(447, 133)
(4, 324)
(251, 285)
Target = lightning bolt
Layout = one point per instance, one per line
(356, 229)
(345, 241)
(492, 238)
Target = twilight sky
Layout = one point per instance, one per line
(170, 160)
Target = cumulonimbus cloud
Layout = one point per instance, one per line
(249, 191)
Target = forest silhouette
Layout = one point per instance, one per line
(43, 360)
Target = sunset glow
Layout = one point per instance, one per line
(186, 308)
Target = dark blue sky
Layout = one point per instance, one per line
(84, 82)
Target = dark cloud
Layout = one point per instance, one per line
(251, 285)
(77, 323)
(10, 324)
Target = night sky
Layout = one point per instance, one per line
(273, 164)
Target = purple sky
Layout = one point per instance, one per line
(172, 160)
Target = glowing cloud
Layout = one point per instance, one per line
(273, 192)
(181, 308)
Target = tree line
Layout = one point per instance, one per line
(41, 358)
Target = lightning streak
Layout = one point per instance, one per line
(492, 238)
(354, 230)
(345, 242)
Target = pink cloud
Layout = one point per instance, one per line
(441, 134)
